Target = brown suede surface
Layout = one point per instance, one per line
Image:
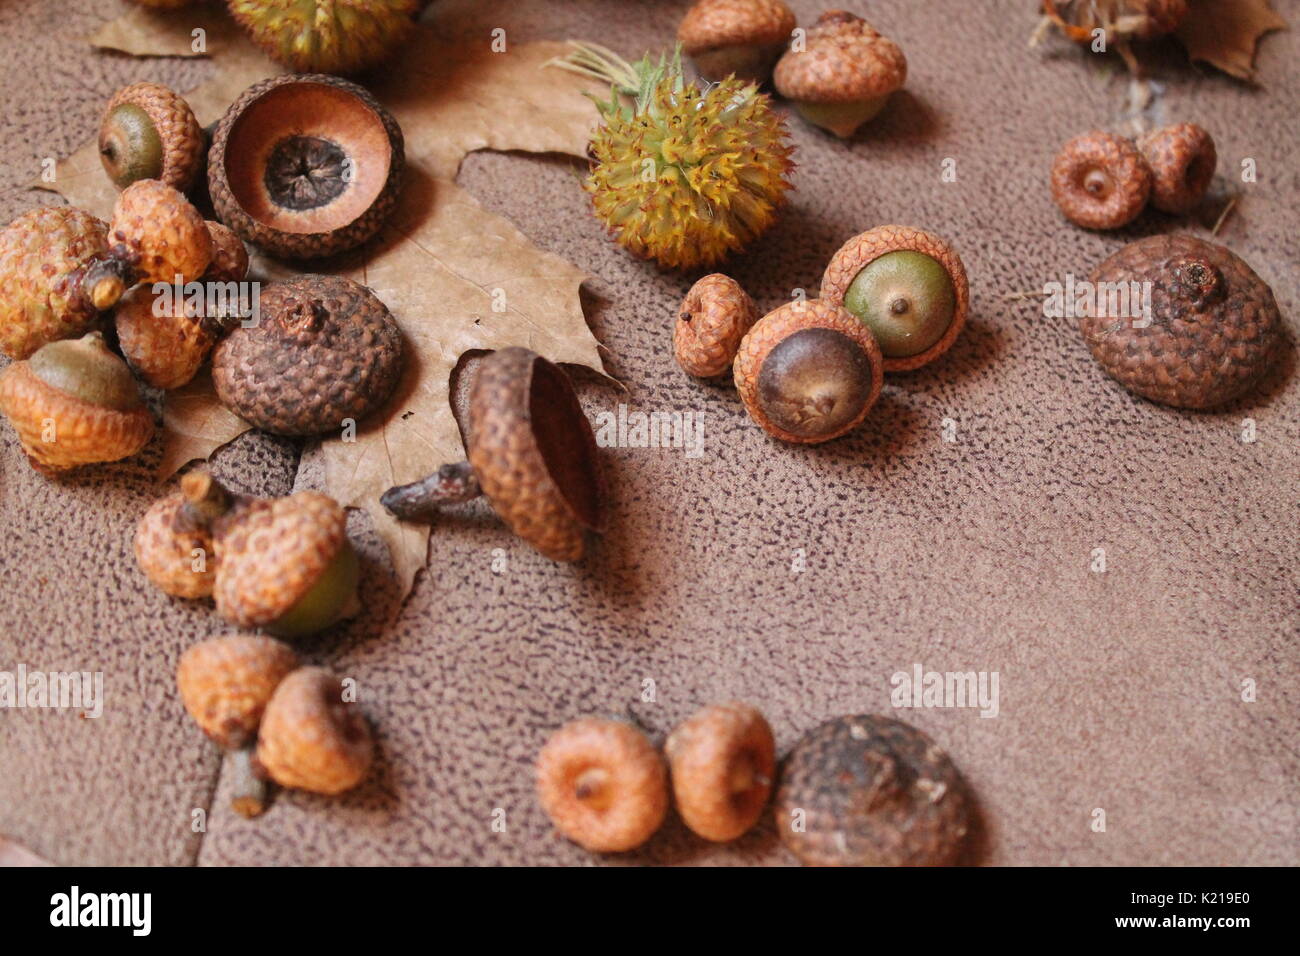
(1120, 691)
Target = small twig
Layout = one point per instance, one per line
(1035, 293)
(1227, 210)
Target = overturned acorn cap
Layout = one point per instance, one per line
(531, 452)
(149, 132)
(305, 165)
(735, 37)
(323, 350)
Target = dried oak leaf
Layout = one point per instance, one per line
(1224, 33)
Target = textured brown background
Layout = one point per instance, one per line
(1119, 690)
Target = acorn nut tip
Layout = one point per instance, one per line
(743, 38)
(722, 761)
(712, 319)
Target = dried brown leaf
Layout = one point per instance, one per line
(145, 32)
(1225, 33)
(195, 424)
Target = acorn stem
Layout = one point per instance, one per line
(450, 484)
(106, 281)
(251, 791)
(206, 499)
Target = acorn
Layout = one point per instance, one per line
(229, 257)
(808, 371)
(163, 337)
(305, 165)
(225, 684)
(311, 738)
(324, 350)
(907, 286)
(723, 763)
(713, 318)
(156, 236)
(871, 791)
(44, 255)
(1213, 330)
(603, 784)
(1100, 180)
(74, 403)
(149, 132)
(1182, 159)
(531, 452)
(173, 542)
(740, 38)
(844, 74)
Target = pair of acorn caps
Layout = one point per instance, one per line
(839, 74)
(892, 299)
(860, 790)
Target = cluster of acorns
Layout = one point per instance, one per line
(892, 299)
(856, 791)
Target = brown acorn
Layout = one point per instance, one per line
(1182, 159)
(1100, 181)
(74, 403)
(723, 762)
(603, 784)
(305, 165)
(323, 351)
(229, 257)
(907, 286)
(311, 738)
(174, 547)
(808, 371)
(163, 337)
(149, 132)
(740, 38)
(712, 319)
(44, 255)
(871, 791)
(1213, 328)
(843, 75)
(531, 452)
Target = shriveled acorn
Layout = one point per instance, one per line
(305, 165)
(324, 350)
(162, 336)
(149, 132)
(75, 403)
(735, 37)
(808, 371)
(44, 255)
(907, 286)
(311, 738)
(711, 321)
(1212, 332)
(871, 791)
(173, 542)
(843, 75)
(531, 452)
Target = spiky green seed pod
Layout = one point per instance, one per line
(683, 175)
(326, 36)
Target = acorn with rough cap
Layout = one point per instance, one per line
(843, 75)
(723, 762)
(305, 165)
(1100, 180)
(226, 684)
(74, 403)
(871, 791)
(808, 371)
(1182, 159)
(311, 738)
(712, 319)
(163, 337)
(229, 257)
(736, 37)
(603, 784)
(44, 255)
(1211, 329)
(325, 351)
(531, 452)
(149, 132)
(173, 543)
(908, 286)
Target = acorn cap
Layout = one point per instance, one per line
(834, 362)
(603, 784)
(160, 337)
(75, 403)
(863, 249)
(845, 60)
(271, 553)
(723, 763)
(310, 738)
(44, 253)
(175, 552)
(712, 319)
(871, 791)
(323, 350)
(149, 132)
(1100, 180)
(229, 256)
(713, 24)
(305, 165)
(1214, 328)
(226, 682)
(534, 454)
(1182, 159)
